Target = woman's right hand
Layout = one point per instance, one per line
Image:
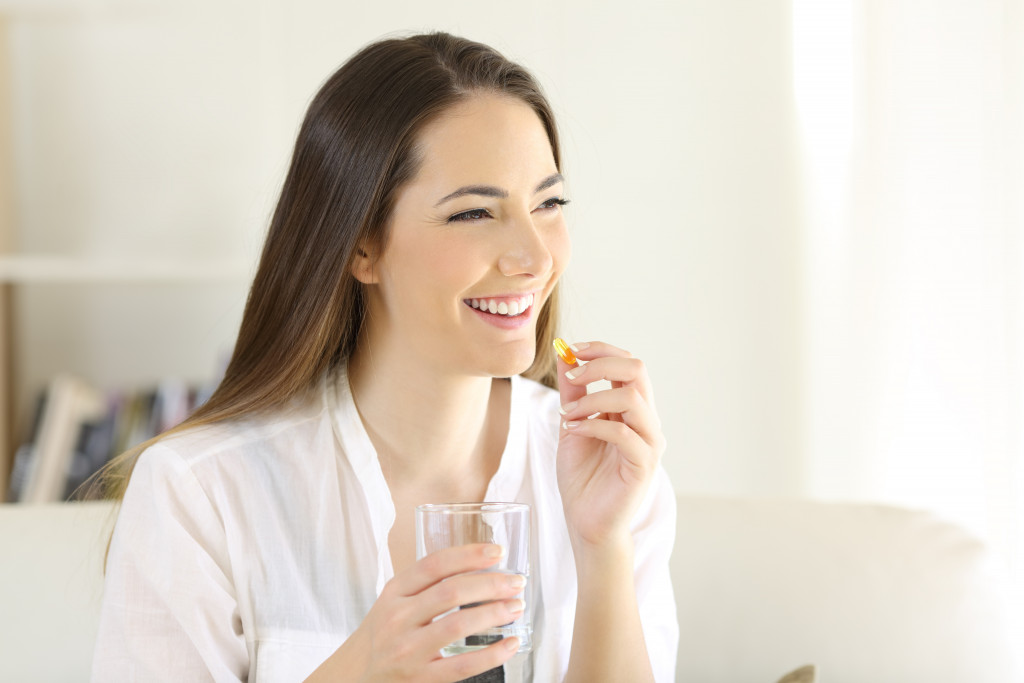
(399, 640)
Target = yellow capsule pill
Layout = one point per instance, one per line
(564, 352)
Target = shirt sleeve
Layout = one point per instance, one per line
(169, 609)
(654, 532)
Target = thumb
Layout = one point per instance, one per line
(568, 391)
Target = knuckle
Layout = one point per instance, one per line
(431, 564)
(403, 650)
(396, 620)
(620, 429)
(389, 590)
(448, 593)
(463, 667)
(390, 624)
(453, 627)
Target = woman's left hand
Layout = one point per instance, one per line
(605, 464)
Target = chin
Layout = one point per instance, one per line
(511, 364)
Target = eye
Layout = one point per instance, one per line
(471, 215)
(553, 202)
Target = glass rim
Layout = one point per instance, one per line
(468, 508)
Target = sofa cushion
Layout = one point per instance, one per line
(52, 586)
(866, 592)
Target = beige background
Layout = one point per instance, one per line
(804, 215)
(161, 130)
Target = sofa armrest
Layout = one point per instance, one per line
(865, 592)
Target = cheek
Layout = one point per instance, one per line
(560, 248)
(436, 269)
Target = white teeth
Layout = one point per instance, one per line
(510, 308)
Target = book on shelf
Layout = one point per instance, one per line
(68, 405)
(24, 456)
(77, 429)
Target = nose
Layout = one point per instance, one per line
(527, 249)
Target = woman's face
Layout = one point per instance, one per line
(476, 242)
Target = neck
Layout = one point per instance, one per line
(426, 423)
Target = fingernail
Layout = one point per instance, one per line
(579, 346)
(515, 606)
(511, 644)
(568, 407)
(516, 581)
(574, 373)
(570, 425)
(494, 551)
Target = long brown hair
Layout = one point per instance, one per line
(355, 150)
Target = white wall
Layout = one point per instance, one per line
(163, 126)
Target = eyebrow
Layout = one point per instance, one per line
(491, 191)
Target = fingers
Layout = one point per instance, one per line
(444, 598)
(486, 601)
(568, 391)
(470, 664)
(574, 386)
(629, 402)
(637, 453)
(443, 564)
(605, 362)
(456, 627)
(609, 363)
(625, 402)
(597, 349)
(470, 590)
(466, 622)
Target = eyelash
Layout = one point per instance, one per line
(480, 214)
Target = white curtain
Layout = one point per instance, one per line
(911, 119)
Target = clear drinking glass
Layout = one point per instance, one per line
(507, 524)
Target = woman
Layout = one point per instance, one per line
(408, 279)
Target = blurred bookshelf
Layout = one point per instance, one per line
(72, 422)
(101, 335)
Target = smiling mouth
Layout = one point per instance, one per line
(506, 307)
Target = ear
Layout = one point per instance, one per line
(363, 266)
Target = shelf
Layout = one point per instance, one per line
(23, 269)
(34, 8)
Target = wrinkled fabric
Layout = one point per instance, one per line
(251, 550)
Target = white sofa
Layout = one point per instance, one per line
(866, 593)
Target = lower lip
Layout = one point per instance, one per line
(505, 322)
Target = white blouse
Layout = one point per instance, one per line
(251, 550)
